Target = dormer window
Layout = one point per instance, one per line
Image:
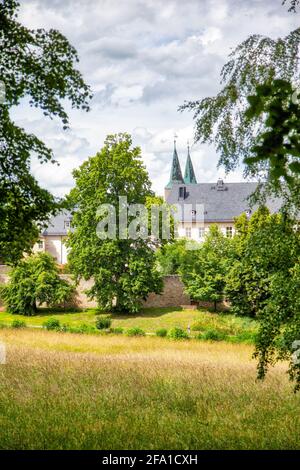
(220, 184)
(182, 192)
(67, 224)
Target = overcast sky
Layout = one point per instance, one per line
(144, 58)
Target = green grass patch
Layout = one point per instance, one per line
(201, 322)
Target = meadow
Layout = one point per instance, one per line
(71, 391)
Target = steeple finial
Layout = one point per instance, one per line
(189, 174)
(176, 174)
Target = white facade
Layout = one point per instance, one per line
(197, 231)
(53, 244)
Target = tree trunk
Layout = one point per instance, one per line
(215, 305)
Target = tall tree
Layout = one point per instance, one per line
(247, 279)
(37, 64)
(122, 268)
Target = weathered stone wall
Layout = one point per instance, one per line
(172, 296)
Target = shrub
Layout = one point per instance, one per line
(177, 333)
(33, 281)
(52, 324)
(83, 328)
(135, 332)
(244, 337)
(162, 332)
(18, 324)
(103, 322)
(117, 331)
(213, 335)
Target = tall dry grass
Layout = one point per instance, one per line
(63, 391)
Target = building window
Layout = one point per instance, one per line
(40, 244)
(188, 232)
(67, 224)
(229, 232)
(182, 192)
(201, 232)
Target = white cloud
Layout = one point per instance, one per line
(143, 58)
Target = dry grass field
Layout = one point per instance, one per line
(68, 391)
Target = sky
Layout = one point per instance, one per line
(143, 59)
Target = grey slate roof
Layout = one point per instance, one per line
(56, 224)
(221, 203)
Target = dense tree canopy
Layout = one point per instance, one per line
(35, 280)
(123, 269)
(37, 65)
(277, 147)
(203, 271)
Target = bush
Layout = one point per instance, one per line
(82, 329)
(52, 324)
(35, 280)
(213, 335)
(18, 324)
(162, 332)
(135, 332)
(103, 322)
(177, 333)
(117, 331)
(244, 337)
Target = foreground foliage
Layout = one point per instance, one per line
(38, 65)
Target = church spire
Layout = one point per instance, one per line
(189, 174)
(176, 175)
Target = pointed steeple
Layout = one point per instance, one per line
(189, 174)
(176, 175)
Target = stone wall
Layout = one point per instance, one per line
(172, 296)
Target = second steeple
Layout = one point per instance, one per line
(189, 174)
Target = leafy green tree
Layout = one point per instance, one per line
(204, 271)
(35, 280)
(264, 280)
(171, 256)
(247, 284)
(277, 147)
(38, 65)
(123, 269)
